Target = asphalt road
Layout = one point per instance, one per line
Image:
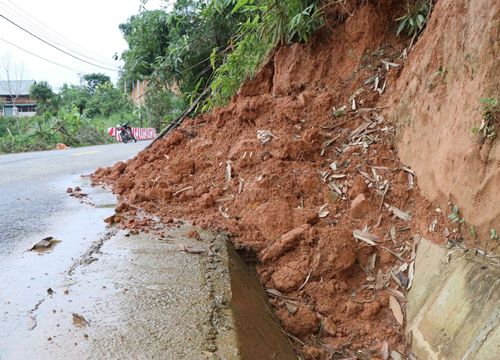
(32, 186)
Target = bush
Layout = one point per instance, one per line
(238, 65)
(415, 18)
(268, 23)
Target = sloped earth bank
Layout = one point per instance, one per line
(320, 196)
(436, 104)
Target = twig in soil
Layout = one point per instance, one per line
(293, 338)
(278, 294)
(182, 190)
(366, 110)
(386, 190)
(155, 181)
(305, 282)
(350, 217)
(393, 253)
(363, 301)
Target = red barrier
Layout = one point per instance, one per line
(139, 133)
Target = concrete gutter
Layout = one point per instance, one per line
(453, 308)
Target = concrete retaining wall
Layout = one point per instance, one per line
(453, 309)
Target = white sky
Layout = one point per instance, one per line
(87, 26)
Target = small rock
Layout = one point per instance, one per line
(359, 206)
(370, 310)
(353, 308)
(329, 326)
(284, 243)
(110, 220)
(79, 320)
(290, 277)
(303, 322)
(193, 234)
(313, 353)
(265, 136)
(69, 190)
(45, 243)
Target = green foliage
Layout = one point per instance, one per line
(78, 115)
(42, 92)
(305, 23)
(94, 80)
(415, 18)
(473, 232)
(24, 142)
(238, 65)
(339, 112)
(493, 234)
(107, 100)
(43, 132)
(268, 23)
(72, 96)
(212, 43)
(161, 107)
(455, 215)
(284, 21)
(490, 111)
(147, 35)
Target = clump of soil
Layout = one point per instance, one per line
(326, 171)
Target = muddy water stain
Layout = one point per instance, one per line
(45, 246)
(106, 206)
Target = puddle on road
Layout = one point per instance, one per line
(106, 206)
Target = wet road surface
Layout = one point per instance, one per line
(32, 187)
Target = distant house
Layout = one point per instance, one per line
(15, 98)
(140, 89)
(138, 92)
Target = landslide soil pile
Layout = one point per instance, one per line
(301, 170)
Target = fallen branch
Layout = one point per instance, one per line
(174, 124)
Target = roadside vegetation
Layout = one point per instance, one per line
(209, 47)
(76, 116)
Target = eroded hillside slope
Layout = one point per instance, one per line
(301, 169)
(437, 101)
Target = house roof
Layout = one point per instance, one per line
(16, 87)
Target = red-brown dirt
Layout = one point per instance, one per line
(324, 174)
(436, 104)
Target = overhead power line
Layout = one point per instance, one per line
(22, 16)
(54, 46)
(40, 57)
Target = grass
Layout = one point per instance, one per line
(490, 114)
